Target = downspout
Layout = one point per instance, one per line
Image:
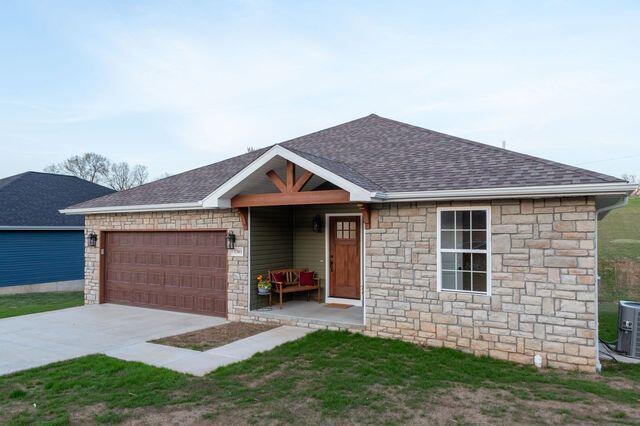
(623, 202)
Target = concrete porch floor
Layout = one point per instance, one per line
(315, 312)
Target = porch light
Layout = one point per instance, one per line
(92, 239)
(317, 223)
(231, 240)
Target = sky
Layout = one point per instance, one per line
(175, 85)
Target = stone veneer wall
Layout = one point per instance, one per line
(543, 285)
(210, 219)
(543, 278)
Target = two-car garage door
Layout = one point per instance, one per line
(183, 270)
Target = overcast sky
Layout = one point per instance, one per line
(176, 84)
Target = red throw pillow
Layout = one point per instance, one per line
(277, 277)
(306, 278)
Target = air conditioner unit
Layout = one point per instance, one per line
(629, 329)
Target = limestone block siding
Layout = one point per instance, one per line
(225, 219)
(543, 278)
(543, 282)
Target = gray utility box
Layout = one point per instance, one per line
(629, 329)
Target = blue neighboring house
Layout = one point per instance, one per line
(37, 243)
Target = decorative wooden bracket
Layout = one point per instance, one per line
(366, 214)
(291, 185)
(244, 216)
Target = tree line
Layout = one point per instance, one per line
(99, 169)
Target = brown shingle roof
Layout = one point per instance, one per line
(377, 154)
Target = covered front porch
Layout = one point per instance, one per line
(323, 241)
(306, 231)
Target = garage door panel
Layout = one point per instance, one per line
(184, 271)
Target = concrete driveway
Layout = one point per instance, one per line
(33, 340)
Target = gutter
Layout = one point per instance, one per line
(602, 212)
(131, 209)
(510, 192)
(615, 188)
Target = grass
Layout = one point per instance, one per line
(619, 253)
(23, 304)
(326, 376)
(608, 321)
(619, 233)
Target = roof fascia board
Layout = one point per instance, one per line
(41, 228)
(521, 191)
(217, 198)
(140, 208)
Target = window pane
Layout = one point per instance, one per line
(339, 225)
(352, 225)
(352, 235)
(463, 219)
(448, 261)
(448, 240)
(479, 281)
(463, 240)
(466, 261)
(466, 281)
(479, 218)
(449, 280)
(479, 262)
(446, 220)
(479, 240)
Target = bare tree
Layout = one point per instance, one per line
(99, 169)
(629, 177)
(121, 176)
(88, 166)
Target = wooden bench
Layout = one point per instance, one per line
(291, 283)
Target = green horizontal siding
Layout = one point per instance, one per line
(283, 237)
(271, 244)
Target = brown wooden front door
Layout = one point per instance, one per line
(182, 271)
(344, 257)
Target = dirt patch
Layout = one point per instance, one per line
(621, 280)
(208, 338)
(453, 405)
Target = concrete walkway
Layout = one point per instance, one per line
(200, 363)
(29, 341)
(123, 332)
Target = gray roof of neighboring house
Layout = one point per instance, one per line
(377, 154)
(33, 199)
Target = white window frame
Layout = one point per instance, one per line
(439, 211)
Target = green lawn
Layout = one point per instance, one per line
(325, 377)
(619, 233)
(22, 304)
(619, 263)
(619, 253)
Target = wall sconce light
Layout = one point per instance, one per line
(92, 239)
(231, 240)
(317, 223)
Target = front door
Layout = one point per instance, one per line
(344, 257)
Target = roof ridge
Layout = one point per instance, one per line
(504, 150)
(328, 128)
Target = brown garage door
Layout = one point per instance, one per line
(181, 271)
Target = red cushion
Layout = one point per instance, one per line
(306, 278)
(278, 277)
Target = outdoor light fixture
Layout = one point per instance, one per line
(231, 240)
(317, 223)
(92, 239)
